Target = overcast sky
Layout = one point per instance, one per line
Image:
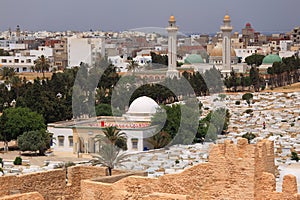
(191, 15)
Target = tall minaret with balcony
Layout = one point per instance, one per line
(172, 48)
(226, 29)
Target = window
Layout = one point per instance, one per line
(61, 141)
(28, 60)
(4, 61)
(70, 141)
(16, 60)
(24, 69)
(22, 61)
(134, 143)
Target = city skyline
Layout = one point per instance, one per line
(192, 15)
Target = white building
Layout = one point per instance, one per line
(119, 63)
(245, 52)
(142, 60)
(62, 139)
(18, 62)
(78, 137)
(42, 50)
(85, 50)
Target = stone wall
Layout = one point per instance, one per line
(234, 171)
(49, 184)
(52, 184)
(26, 196)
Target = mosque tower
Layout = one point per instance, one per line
(172, 48)
(18, 31)
(226, 29)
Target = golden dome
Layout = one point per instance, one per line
(217, 51)
(226, 18)
(172, 18)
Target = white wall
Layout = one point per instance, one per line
(66, 132)
(82, 49)
(42, 50)
(19, 63)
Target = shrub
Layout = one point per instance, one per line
(18, 161)
(176, 161)
(249, 136)
(237, 102)
(1, 162)
(295, 156)
(222, 96)
(247, 97)
(249, 111)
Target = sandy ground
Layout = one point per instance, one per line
(291, 88)
(286, 89)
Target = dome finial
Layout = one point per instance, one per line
(227, 17)
(172, 18)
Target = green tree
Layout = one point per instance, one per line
(16, 121)
(114, 135)
(249, 136)
(133, 66)
(109, 155)
(103, 110)
(254, 59)
(42, 64)
(34, 141)
(7, 73)
(159, 61)
(247, 97)
(255, 78)
(4, 53)
(160, 140)
(295, 156)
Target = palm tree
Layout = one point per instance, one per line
(108, 156)
(7, 73)
(115, 137)
(133, 65)
(160, 140)
(42, 64)
(16, 83)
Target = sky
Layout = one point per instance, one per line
(116, 15)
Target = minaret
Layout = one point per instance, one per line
(226, 32)
(18, 31)
(172, 48)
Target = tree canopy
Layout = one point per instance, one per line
(254, 59)
(16, 121)
(34, 141)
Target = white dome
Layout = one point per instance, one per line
(144, 105)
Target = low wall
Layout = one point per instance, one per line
(115, 178)
(52, 184)
(31, 196)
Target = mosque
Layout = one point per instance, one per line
(222, 56)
